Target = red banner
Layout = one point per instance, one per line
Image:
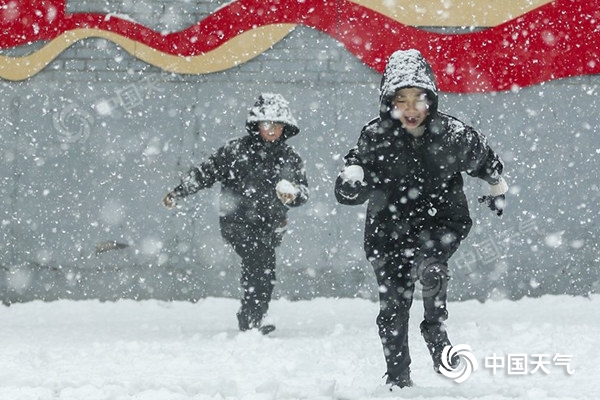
(557, 40)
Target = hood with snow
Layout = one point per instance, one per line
(407, 69)
(272, 107)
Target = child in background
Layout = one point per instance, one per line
(261, 177)
(407, 165)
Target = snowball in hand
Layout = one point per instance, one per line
(353, 173)
(285, 187)
(286, 191)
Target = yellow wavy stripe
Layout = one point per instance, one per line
(248, 45)
(234, 52)
(483, 13)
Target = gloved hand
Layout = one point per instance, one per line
(494, 203)
(170, 200)
(286, 191)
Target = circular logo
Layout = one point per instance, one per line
(433, 275)
(468, 363)
(73, 124)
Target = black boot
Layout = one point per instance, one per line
(402, 380)
(243, 322)
(266, 329)
(436, 339)
(246, 323)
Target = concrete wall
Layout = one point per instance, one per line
(93, 142)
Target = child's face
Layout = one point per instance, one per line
(270, 131)
(411, 107)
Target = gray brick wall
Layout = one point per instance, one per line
(63, 195)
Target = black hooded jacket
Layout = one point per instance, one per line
(414, 185)
(249, 169)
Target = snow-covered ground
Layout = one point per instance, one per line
(322, 349)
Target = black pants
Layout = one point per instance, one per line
(396, 278)
(257, 251)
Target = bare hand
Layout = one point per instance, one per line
(170, 200)
(286, 198)
(286, 191)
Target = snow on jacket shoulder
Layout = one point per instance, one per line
(429, 164)
(249, 170)
(410, 180)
